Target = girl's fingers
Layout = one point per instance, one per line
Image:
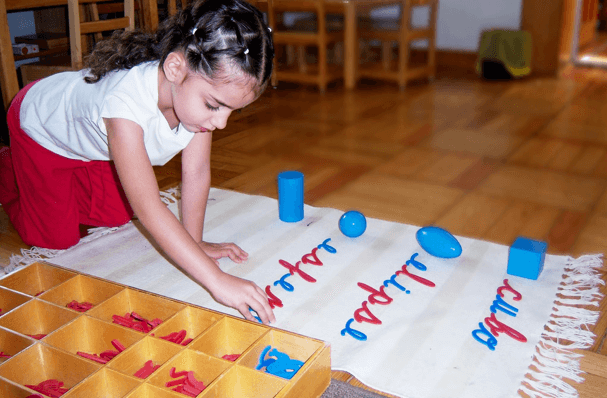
(264, 310)
(242, 253)
(244, 310)
(266, 304)
(261, 313)
(231, 250)
(236, 257)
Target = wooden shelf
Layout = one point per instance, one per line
(44, 53)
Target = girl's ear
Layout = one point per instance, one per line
(175, 67)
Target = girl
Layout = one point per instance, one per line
(142, 99)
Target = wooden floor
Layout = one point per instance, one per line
(489, 160)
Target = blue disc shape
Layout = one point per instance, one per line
(352, 223)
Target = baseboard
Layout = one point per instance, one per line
(465, 60)
(450, 61)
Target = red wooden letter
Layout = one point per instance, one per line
(416, 278)
(295, 269)
(370, 318)
(497, 327)
(517, 295)
(375, 294)
(311, 258)
(272, 299)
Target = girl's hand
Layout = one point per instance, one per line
(241, 295)
(219, 250)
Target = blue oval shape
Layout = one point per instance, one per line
(438, 242)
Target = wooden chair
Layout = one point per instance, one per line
(83, 19)
(403, 35)
(78, 28)
(320, 37)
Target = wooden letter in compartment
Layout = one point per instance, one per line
(214, 335)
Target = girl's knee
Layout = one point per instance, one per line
(34, 233)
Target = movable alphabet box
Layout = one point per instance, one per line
(40, 338)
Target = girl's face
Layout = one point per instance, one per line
(203, 105)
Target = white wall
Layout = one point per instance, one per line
(460, 22)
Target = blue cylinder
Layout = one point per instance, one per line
(291, 196)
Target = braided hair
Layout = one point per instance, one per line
(212, 34)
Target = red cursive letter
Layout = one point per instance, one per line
(416, 278)
(311, 258)
(295, 269)
(272, 299)
(370, 317)
(497, 327)
(376, 293)
(517, 295)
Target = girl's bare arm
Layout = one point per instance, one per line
(196, 182)
(136, 174)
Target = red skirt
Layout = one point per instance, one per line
(48, 196)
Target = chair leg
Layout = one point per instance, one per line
(87, 12)
(386, 54)
(338, 53)
(432, 41)
(290, 51)
(403, 45)
(323, 76)
(301, 59)
(274, 78)
(403, 62)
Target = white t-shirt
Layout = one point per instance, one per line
(64, 114)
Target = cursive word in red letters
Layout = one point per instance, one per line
(487, 335)
(380, 297)
(309, 259)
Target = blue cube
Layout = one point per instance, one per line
(526, 258)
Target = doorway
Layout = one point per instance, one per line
(589, 45)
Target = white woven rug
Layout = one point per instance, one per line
(412, 338)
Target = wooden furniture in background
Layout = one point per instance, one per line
(78, 28)
(351, 10)
(83, 20)
(567, 27)
(543, 19)
(320, 74)
(403, 35)
(8, 73)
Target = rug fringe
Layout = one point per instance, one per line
(171, 195)
(34, 254)
(566, 331)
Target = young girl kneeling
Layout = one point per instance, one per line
(83, 143)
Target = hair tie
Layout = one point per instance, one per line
(246, 51)
(193, 31)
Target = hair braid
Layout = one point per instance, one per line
(214, 35)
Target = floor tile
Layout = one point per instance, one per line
(545, 187)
